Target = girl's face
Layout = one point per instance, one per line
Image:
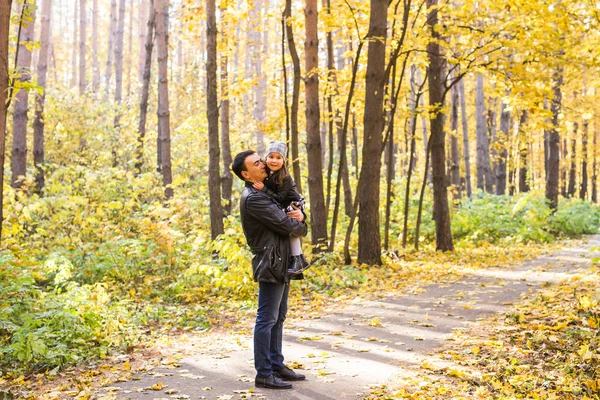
(274, 161)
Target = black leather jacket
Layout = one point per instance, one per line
(267, 229)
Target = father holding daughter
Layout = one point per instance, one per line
(268, 229)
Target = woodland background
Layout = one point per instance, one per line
(412, 126)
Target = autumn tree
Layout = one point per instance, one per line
(164, 127)
(19, 146)
(369, 238)
(42, 71)
(437, 83)
(5, 7)
(313, 137)
(82, 44)
(214, 181)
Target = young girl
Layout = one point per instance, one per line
(280, 186)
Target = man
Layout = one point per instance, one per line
(267, 229)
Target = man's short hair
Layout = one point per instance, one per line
(239, 163)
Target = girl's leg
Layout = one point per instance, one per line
(295, 246)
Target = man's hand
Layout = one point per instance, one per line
(258, 185)
(296, 214)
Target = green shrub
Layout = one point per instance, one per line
(575, 217)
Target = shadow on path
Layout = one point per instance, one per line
(349, 351)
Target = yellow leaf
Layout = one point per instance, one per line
(427, 365)
(126, 366)
(375, 322)
(475, 350)
(323, 372)
(157, 386)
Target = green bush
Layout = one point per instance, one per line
(522, 218)
(47, 320)
(575, 217)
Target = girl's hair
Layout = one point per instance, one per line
(279, 176)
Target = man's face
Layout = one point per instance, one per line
(255, 169)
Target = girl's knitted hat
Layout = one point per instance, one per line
(277, 147)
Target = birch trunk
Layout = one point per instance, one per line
(95, 65)
(523, 153)
(82, 43)
(573, 165)
(553, 142)
(163, 100)
(111, 37)
(584, 162)
(42, 72)
(465, 131)
(502, 144)
(484, 175)
(75, 45)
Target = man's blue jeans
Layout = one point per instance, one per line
(268, 331)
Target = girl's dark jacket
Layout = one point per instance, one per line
(283, 194)
(267, 229)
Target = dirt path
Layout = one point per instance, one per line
(350, 352)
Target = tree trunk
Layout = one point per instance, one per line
(19, 145)
(143, 24)
(465, 129)
(111, 37)
(145, 89)
(493, 135)
(287, 14)
(523, 153)
(82, 43)
(553, 143)
(369, 238)
(75, 46)
(163, 100)
(313, 138)
(119, 58)
(212, 111)
(563, 171)
(95, 65)
(227, 176)
(130, 48)
(584, 161)
(501, 143)
(5, 7)
(417, 91)
(436, 75)
(331, 83)
(595, 164)
(255, 73)
(42, 70)
(455, 161)
(164, 16)
(573, 165)
(344, 161)
(484, 175)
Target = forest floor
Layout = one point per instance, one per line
(385, 346)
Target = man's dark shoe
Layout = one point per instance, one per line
(271, 382)
(288, 375)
